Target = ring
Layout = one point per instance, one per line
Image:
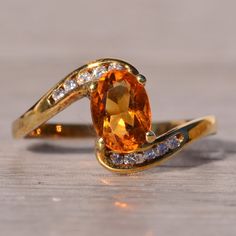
(127, 140)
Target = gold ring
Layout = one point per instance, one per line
(127, 140)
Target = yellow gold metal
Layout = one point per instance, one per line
(32, 124)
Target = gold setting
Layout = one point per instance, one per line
(150, 136)
(141, 79)
(172, 136)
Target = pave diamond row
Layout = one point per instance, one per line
(82, 78)
(155, 152)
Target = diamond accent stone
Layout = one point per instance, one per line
(58, 94)
(84, 77)
(139, 158)
(173, 142)
(115, 66)
(162, 149)
(157, 151)
(69, 85)
(99, 71)
(117, 159)
(150, 154)
(123, 115)
(129, 159)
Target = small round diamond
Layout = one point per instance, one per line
(57, 94)
(84, 78)
(99, 71)
(70, 85)
(115, 66)
(139, 158)
(149, 154)
(117, 159)
(173, 142)
(161, 149)
(129, 159)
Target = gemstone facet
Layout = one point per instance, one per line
(99, 71)
(129, 159)
(84, 78)
(162, 148)
(149, 154)
(58, 94)
(120, 110)
(69, 85)
(117, 159)
(139, 158)
(115, 66)
(173, 142)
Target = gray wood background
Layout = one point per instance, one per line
(187, 50)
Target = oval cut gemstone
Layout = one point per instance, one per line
(120, 111)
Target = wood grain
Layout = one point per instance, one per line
(187, 51)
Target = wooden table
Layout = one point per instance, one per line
(187, 51)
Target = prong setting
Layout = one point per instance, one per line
(100, 144)
(92, 87)
(141, 79)
(150, 136)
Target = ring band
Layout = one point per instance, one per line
(127, 141)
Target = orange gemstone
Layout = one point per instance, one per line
(120, 110)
